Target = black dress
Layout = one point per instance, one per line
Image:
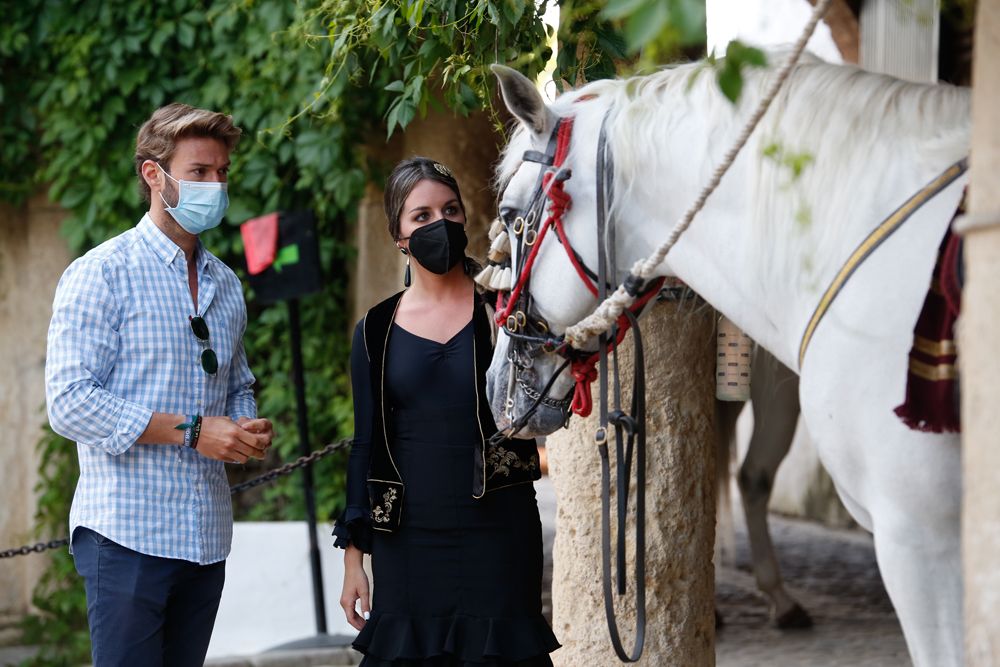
(459, 583)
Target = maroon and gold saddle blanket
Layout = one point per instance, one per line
(932, 395)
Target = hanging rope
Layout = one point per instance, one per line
(608, 312)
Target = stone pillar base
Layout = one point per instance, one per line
(680, 506)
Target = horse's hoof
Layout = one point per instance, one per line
(795, 618)
(718, 620)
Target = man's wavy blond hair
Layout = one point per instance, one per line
(158, 136)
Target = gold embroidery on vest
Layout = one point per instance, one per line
(381, 514)
(501, 461)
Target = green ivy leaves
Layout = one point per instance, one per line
(729, 71)
(422, 52)
(646, 21)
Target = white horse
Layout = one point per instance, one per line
(762, 252)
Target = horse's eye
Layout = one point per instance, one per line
(507, 214)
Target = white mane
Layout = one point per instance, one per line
(846, 119)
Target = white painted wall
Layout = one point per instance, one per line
(765, 23)
(268, 597)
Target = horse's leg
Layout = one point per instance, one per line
(775, 400)
(931, 615)
(906, 484)
(916, 521)
(923, 575)
(726, 414)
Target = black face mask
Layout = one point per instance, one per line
(439, 246)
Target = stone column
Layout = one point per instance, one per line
(469, 147)
(32, 257)
(680, 506)
(979, 333)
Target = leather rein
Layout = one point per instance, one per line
(530, 335)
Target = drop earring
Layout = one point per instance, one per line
(406, 275)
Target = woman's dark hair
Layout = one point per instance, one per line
(402, 180)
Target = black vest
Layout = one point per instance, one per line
(511, 462)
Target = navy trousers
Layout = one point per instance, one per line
(145, 610)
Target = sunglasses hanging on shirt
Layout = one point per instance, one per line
(209, 362)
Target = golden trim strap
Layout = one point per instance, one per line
(878, 235)
(933, 372)
(935, 348)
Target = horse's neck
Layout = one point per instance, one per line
(767, 244)
(717, 268)
(718, 255)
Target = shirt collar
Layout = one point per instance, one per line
(164, 248)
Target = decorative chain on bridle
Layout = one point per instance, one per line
(529, 333)
(269, 476)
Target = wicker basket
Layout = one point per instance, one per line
(732, 365)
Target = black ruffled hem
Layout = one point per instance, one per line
(353, 527)
(455, 641)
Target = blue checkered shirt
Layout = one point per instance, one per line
(120, 348)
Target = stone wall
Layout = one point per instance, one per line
(32, 258)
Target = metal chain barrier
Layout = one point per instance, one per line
(35, 548)
(269, 476)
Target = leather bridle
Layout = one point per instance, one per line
(531, 335)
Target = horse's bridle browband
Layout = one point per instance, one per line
(526, 330)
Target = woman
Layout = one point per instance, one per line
(450, 519)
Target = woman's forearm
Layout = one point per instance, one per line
(353, 557)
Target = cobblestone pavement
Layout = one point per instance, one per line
(833, 574)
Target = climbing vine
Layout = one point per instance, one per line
(309, 83)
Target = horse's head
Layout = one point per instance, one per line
(548, 212)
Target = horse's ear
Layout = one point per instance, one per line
(524, 101)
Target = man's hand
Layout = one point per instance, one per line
(224, 440)
(261, 427)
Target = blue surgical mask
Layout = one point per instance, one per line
(200, 206)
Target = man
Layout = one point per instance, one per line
(146, 371)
